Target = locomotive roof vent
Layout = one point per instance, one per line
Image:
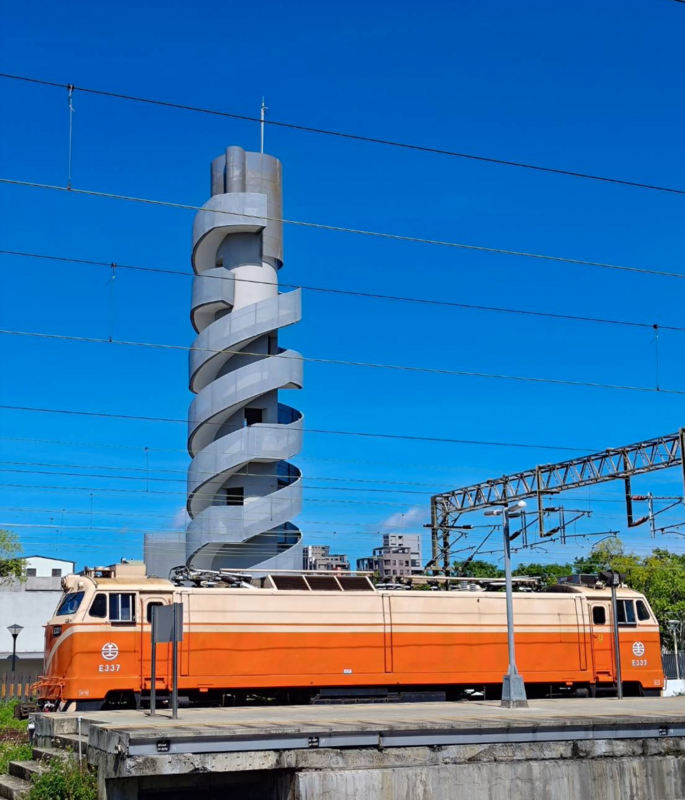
(321, 583)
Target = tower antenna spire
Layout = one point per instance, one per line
(264, 109)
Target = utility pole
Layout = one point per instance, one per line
(513, 685)
(435, 552)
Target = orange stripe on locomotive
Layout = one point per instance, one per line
(265, 639)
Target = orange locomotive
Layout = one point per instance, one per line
(298, 637)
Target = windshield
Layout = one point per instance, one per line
(70, 604)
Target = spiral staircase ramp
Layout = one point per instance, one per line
(242, 490)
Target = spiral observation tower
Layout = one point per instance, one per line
(242, 490)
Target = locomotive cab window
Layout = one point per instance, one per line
(98, 608)
(70, 604)
(122, 607)
(599, 615)
(642, 611)
(150, 606)
(626, 612)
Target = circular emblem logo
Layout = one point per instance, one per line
(110, 651)
(638, 649)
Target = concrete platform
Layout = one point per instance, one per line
(308, 751)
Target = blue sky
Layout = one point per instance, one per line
(590, 87)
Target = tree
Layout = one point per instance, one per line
(479, 569)
(11, 563)
(660, 576)
(548, 572)
(600, 557)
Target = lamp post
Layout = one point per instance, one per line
(15, 630)
(513, 686)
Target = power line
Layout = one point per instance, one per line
(352, 136)
(443, 440)
(138, 515)
(159, 491)
(341, 362)
(351, 292)
(247, 474)
(138, 531)
(153, 492)
(143, 448)
(199, 492)
(358, 231)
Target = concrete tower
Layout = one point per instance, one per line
(242, 492)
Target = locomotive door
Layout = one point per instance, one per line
(147, 603)
(602, 641)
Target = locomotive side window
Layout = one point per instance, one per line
(150, 606)
(122, 607)
(642, 611)
(98, 608)
(599, 615)
(626, 612)
(70, 604)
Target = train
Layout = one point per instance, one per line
(305, 637)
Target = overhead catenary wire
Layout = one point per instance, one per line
(142, 447)
(162, 492)
(172, 515)
(152, 493)
(176, 420)
(356, 231)
(352, 292)
(343, 362)
(145, 476)
(350, 136)
(209, 492)
(248, 474)
(138, 531)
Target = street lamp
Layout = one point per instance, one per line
(15, 630)
(513, 687)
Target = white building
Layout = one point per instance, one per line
(410, 540)
(319, 557)
(30, 604)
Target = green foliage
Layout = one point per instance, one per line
(479, 569)
(660, 576)
(14, 744)
(64, 779)
(600, 558)
(7, 720)
(549, 573)
(11, 563)
(13, 751)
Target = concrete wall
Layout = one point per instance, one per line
(674, 688)
(30, 604)
(632, 778)
(649, 769)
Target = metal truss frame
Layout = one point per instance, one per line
(620, 463)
